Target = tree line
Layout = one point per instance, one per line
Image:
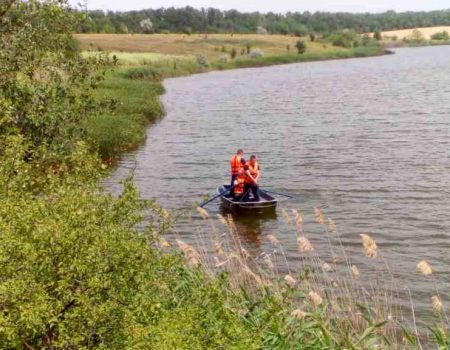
(190, 20)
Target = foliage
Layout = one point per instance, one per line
(46, 85)
(233, 53)
(377, 35)
(261, 30)
(441, 36)
(146, 25)
(295, 23)
(416, 37)
(256, 53)
(202, 60)
(346, 38)
(301, 46)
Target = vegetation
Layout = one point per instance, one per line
(77, 268)
(301, 46)
(210, 20)
(441, 36)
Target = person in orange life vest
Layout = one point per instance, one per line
(254, 167)
(238, 190)
(237, 167)
(250, 184)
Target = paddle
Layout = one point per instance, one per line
(280, 194)
(220, 194)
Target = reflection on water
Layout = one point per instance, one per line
(368, 140)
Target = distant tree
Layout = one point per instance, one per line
(377, 35)
(248, 47)
(123, 29)
(312, 36)
(416, 36)
(146, 26)
(366, 39)
(301, 46)
(233, 53)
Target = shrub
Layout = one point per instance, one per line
(233, 53)
(441, 36)
(248, 47)
(256, 53)
(301, 46)
(202, 60)
(312, 37)
(377, 35)
(223, 58)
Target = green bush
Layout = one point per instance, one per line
(301, 46)
(441, 36)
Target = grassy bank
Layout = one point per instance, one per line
(135, 86)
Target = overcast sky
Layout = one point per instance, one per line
(280, 6)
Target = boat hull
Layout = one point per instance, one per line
(266, 204)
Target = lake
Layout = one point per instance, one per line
(366, 140)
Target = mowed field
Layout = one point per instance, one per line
(210, 45)
(426, 31)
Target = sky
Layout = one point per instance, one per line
(278, 6)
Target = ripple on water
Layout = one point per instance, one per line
(366, 139)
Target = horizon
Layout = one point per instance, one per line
(264, 6)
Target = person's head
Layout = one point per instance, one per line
(253, 159)
(240, 152)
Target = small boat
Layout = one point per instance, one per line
(265, 204)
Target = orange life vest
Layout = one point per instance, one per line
(236, 165)
(254, 169)
(239, 188)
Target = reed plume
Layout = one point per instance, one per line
(304, 245)
(298, 314)
(332, 226)
(298, 217)
(286, 216)
(290, 281)
(369, 245)
(319, 215)
(191, 255)
(274, 240)
(437, 304)
(326, 267)
(424, 268)
(355, 270)
(315, 298)
(203, 213)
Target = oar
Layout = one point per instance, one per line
(278, 193)
(220, 194)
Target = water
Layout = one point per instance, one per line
(367, 140)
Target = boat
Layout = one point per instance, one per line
(266, 203)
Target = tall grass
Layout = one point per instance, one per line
(314, 301)
(133, 104)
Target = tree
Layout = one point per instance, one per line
(233, 53)
(146, 25)
(377, 35)
(301, 46)
(312, 36)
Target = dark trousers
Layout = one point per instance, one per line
(250, 188)
(233, 178)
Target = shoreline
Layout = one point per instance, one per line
(137, 90)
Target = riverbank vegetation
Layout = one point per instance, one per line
(78, 268)
(138, 73)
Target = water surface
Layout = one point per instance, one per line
(367, 140)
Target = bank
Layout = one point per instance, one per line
(134, 90)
